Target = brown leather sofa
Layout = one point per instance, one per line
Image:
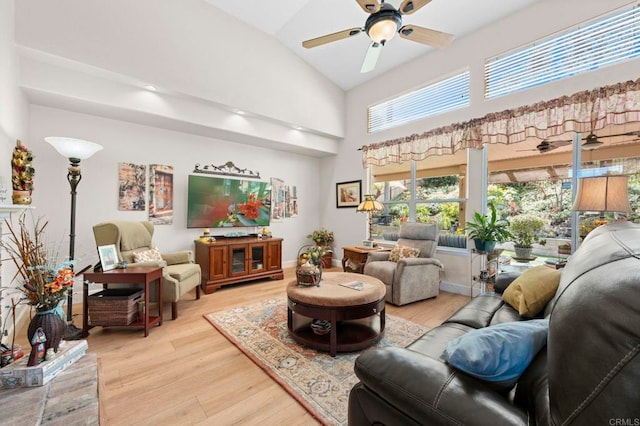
(588, 374)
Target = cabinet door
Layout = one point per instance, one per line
(239, 258)
(274, 257)
(258, 261)
(217, 263)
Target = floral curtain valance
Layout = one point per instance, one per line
(582, 112)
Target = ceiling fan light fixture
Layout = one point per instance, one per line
(382, 26)
(383, 31)
(591, 143)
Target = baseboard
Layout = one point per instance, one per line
(457, 288)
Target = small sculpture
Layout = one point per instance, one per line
(37, 348)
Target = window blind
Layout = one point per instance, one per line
(445, 95)
(612, 39)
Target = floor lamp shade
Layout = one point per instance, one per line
(602, 194)
(73, 148)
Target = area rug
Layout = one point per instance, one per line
(319, 382)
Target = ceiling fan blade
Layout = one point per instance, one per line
(319, 41)
(634, 133)
(371, 58)
(426, 36)
(409, 6)
(369, 6)
(558, 144)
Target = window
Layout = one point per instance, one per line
(446, 95)
(609, 40)
(435, 201)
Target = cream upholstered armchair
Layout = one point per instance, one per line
(133, 242)
(410, 278)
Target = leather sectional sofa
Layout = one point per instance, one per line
(587, 374)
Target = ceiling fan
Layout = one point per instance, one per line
(592, 141)
(383, 23)
(546, 146)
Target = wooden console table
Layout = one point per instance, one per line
(135, 275)
(238, 259)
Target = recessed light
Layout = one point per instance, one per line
(297, 127)
(150, 87)
(239, 111)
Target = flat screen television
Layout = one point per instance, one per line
(215, 202)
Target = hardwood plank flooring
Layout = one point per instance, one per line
(186, 373)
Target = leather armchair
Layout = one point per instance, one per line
(180, 273)
(409, 279)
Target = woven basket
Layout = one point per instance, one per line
(307, 276)
(114, 306)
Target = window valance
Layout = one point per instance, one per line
(585, 111)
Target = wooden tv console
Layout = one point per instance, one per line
(238, 259)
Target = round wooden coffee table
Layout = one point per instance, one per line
(356, 316)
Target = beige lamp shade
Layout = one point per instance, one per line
(370, 204)
(602, 194)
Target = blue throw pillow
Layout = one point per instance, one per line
(500, 353)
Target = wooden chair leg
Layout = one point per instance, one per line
(174, 310)
(198, 292)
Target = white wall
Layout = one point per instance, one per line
(14, 120)
(189, 47)
(126, 142)
(543, 18)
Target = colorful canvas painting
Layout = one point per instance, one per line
(160, 194)
(132, 187)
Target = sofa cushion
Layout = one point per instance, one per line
(434, 342)
(147, 256)
(500, 353)
(532, 290)
(478, 312)
(400, 252)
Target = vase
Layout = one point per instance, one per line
(52, 325)
(523, 252)
(21, 197)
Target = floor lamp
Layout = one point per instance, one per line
(370, 205)
(75, 150)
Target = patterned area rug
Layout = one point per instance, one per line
(320, 383)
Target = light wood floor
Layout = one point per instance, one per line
(185, 372)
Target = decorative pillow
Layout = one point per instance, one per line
(499, 353)
(532, 290)
(400, 252)
(147, 256)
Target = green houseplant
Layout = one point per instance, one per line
(487, 231)
(323, 239)
(525, 229)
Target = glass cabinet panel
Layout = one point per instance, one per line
(258, 257)
(238, 260)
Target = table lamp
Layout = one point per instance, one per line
(370, 205)
(602, 193)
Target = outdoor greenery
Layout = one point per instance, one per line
(525, 229)
(547, 199)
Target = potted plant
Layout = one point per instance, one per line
(487, 231)
(525, 229)
(564, 248)
(324, 239)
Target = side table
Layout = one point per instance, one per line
(354, 258)
(136, 275)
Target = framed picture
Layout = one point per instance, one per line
(348, 194)
(108, 257)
